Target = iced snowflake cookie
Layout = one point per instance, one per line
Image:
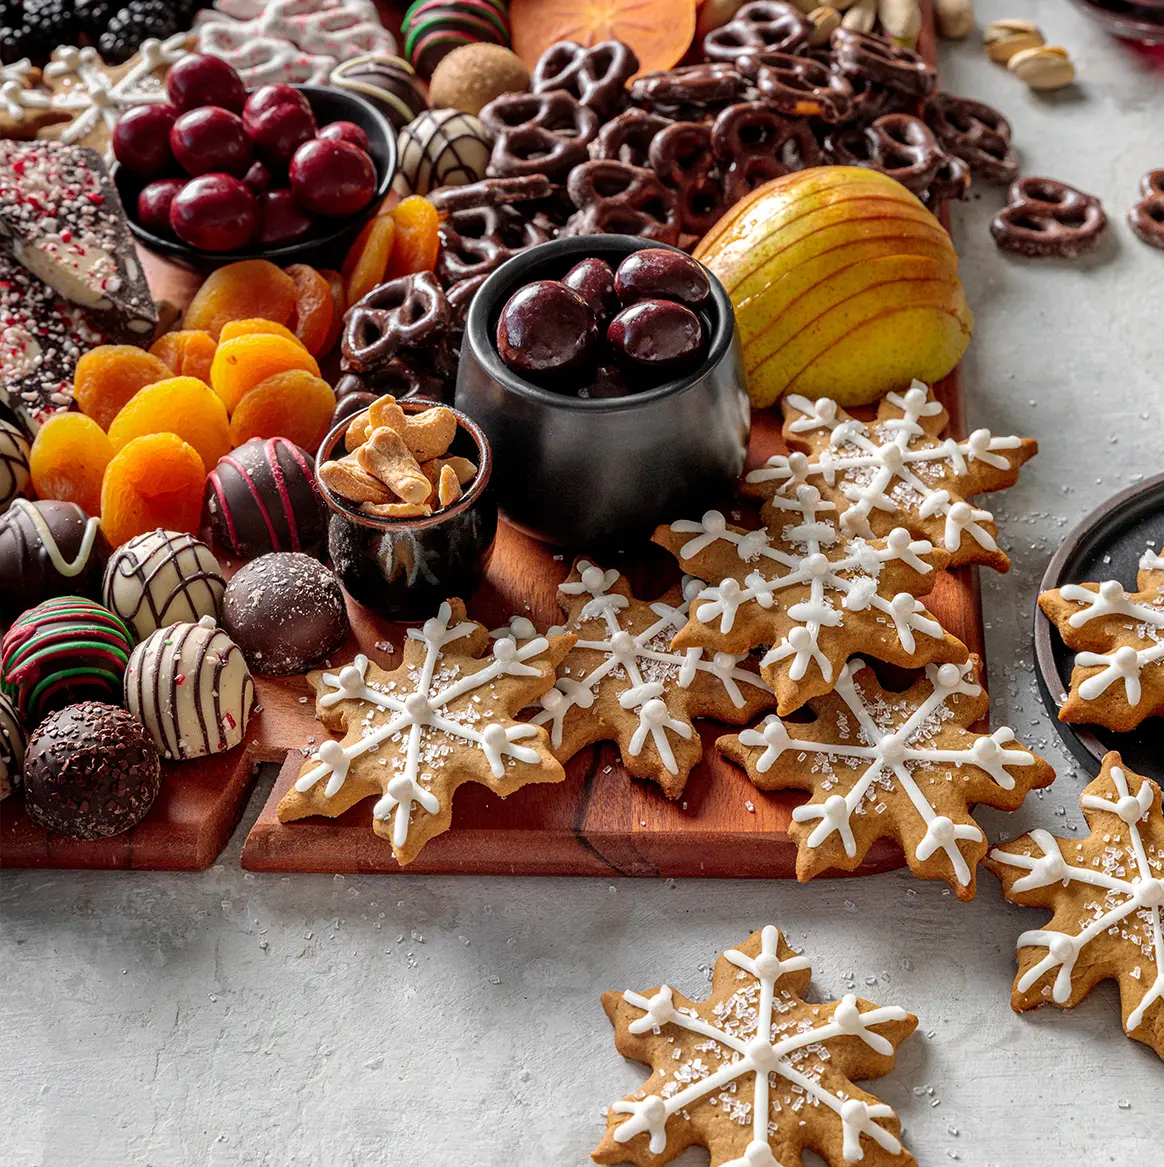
(1118, 678)
(879, 764)
(1107, 896)
(446, 716)
(812, 593)
(754, 1073)
(897, 471)
(623, 682)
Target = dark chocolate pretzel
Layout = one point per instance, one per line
(758, 27)
(975, 132)
(490, 192)
(1146, 218)
(896, 144)
(706, 86)
(1048, 219)
(410, 312)
(682, 157)
(878, 59)
(950, 181)
(627, 138)
(798, 86)
(546, 133)
(614, 198)
(596, 76)
(478, 240)
(755, 145)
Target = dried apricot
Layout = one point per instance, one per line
(311, 321)
(154, 481)
(239, 291)
(181, 405)
(367, 259)
(249, 327)
(339, 305)
(107, 377)
(187, 353)
(240, 364)
(294, 405)
(68, 459)
(417, 243)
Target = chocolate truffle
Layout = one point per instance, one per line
(389, 83)
(47, 549)
(190, 687)
(12, 744)
(162, 578)
(14, 451)
(262, 497)
(286, 612)
(442, 147)
(471, 76)
(62, 651)
(90, 771)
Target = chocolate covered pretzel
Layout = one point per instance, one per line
(406, 313)
(627, 138)
(761, 26)
(897, 144)
(1146, 218)
(681, 155)
(878, 59)
(975, 132)
(538, 133)
(690, 92)
(595, 76)
(798, 86)
(490, 192)
(1048, 219)
(614, 198)
(755, 145)
(478, 240)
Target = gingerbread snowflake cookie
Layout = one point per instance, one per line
(897, 471)
(623, 682)
(810, 592)
(1107, 896)
(754, 1073)
(905, 766)
(445, 716)
(1118, 638)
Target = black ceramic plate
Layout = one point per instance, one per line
(1108, 544)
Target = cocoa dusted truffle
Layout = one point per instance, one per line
(90, 771)
(286, 612)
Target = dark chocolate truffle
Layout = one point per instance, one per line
(13, 741)
(90, 771)
(389, 83)
(286, 612)
(47, 549)
(262, 497)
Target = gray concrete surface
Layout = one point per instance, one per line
(224, 1018)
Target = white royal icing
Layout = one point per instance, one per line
(754, 1052)
(1127, 903)
(1126, 664)
(821, 555)
(16, 97)
(890, 757)
(420, 714)
(646, 660)
(883, 469)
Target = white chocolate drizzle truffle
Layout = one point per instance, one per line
(13, 741)
(189, 685)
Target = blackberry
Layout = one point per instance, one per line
(52, 21)
(93, 16)
(133, 24)
(14, 41)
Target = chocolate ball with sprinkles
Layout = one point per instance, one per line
(62, 651)
(91, 771)
(48, 549)
(389, 83)
(433, 28)
(190, 687)
(13, 742)
(442, 147)
(14, 473)
(262, 497)
(162, 578)
(286, 612)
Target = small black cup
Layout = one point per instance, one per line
(591, 471)
(403, 569)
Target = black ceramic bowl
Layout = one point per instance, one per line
(331, 239)
(582, 471)
(403, 569)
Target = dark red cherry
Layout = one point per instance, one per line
(281, 218)
(141, 139)
(657, 273)
(200, 79)
(608, 381)
(153, 204)
(214, 213)
(345, 132)
(593, 280)
(548, 334)
(332, 178)
(211, 140)
(279, 121)
(259, 178)
(657, 337)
